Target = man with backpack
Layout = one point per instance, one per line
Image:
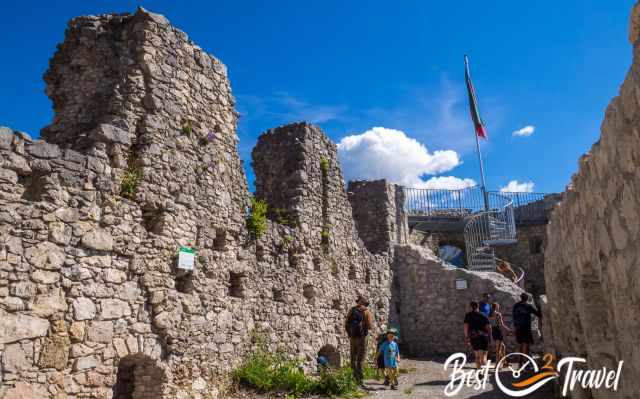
(358, 323)
(522, 312)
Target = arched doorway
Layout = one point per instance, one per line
(332, 355)
(139, 377)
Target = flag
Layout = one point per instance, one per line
(473, 103)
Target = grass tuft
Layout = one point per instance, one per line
(266, 371)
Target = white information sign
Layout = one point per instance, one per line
(461, 284)
(186, 258)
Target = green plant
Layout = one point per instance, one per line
(370, 373)
(186, 127)
(334, 267)
(408, 391)
(337, 382)
(324, 166)
(267, 371)
(257, 218)
(131, 178)
(325, 235)
(287, 239)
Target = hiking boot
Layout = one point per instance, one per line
(394, 387)
(386, 381)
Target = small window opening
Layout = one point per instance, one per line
(278, 294)
(535, 245)
(236, 285)
(309, 292)
(352, 272)
(220, 242)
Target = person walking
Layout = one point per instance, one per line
(477, 333)
(497, 330)
(485, 304)
(522, 312)
(358, 323)
(391, 354)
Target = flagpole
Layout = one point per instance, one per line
(475, 133)
(484, 187)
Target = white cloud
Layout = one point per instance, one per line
(388, 153)
(447, 182)
(525, 131)
(516, 187)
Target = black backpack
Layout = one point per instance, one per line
(355, 323)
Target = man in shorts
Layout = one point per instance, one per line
(522, 312)
(477, 333)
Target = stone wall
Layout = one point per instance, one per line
(528, 254)
(140, 159)
(378, 210)
(431, 309)
(591, 261)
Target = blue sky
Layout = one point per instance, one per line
(352, 66)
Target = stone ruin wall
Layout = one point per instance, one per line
(89, 291)
(430, 308)
(591, 262)
(379, 214)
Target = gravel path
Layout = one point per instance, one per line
(427, 379)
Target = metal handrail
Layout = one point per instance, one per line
(443, 203)
(487, 229)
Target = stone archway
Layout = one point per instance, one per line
(331, 354)
(139, 377)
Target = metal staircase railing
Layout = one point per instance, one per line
(485, 230)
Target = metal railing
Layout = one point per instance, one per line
(528, 207)
(487, 229)
(445, 203)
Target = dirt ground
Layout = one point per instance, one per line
(428, 379)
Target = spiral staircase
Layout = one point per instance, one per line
(487, 229)
(486, 224)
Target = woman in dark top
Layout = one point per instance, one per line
(497, 330)
(477, 333)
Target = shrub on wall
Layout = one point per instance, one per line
(257, 218)
(131, 178)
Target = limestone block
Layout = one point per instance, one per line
(121, 347)
(114, 276)
(15, 327)
(16, 358)
(83, 309)
(84, 363)
(23, 289)
(45, 277)
(114, 309)
(98, 239)
(24, 390)
(100, 331)
(76, 331)
(111, 134)
(42, 149)
(13, 304)
(80, 350)
(49, 304)
(45, 255)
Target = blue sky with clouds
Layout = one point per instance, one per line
(546, 69)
